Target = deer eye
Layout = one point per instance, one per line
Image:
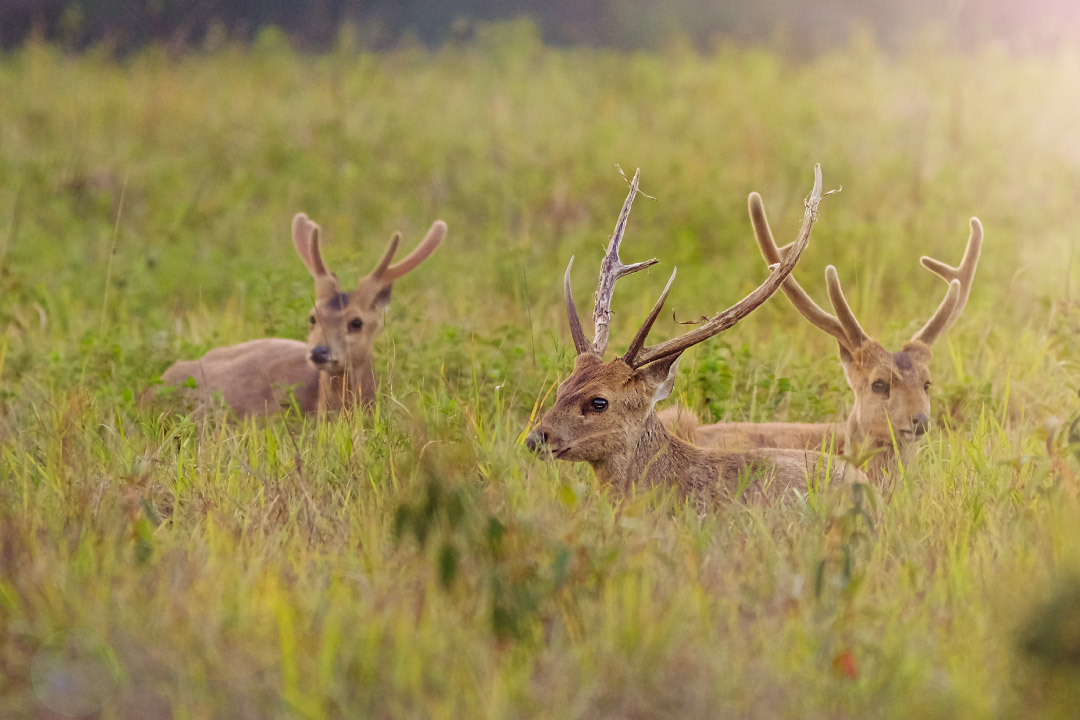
(598, 404)
(355, 324)
(880, 386)
(926, 387)
(312, 319)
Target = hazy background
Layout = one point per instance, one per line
(802, 27)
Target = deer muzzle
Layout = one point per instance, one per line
(320, 354)
(920, 424)
(536, 441)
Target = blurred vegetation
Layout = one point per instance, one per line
(420, 562)
(797, 27)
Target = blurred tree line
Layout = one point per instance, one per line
(125, 25)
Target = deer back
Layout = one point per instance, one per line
(891, 407)
(258, 377)
(604, 413)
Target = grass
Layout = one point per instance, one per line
(420, 562)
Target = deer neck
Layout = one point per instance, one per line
(356, 386)
(654, 458)
(883, 459)
(852, 431)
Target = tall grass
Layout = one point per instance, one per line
(418, 563)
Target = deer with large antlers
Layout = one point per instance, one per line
(333, 369)
(892, 390)
(604, 412)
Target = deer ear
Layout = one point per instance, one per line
(851, 372)
(382, 298)
(845, 355)
(660, 377)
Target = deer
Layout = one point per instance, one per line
(892, 389)
(604, 412)
(330, 372)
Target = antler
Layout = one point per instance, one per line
(389, 273)
(638, 356)
(942, 318)
(963, 276)
(809, 309)
(611, 269)
(855, 334)
(580, 343)
(305, 235)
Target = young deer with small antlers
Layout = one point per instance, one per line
(329, 372)
(604, 412)
(892, 400)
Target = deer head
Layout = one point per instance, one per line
(603, 412)
(344, 324)
(892, 389)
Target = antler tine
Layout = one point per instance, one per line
(943, 317)
(639, 340)
(855, 334)
(306, 239)
(580, 343)
(965, 273)
(611, 269)
(299, 237)
(806, 306)
(391, 250)
(427, 246)
(726, 319)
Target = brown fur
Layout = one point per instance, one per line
(604, 412)
(875, 422)
(255, 377)
(258, 377)
(627, 444)
(896, 414)
(686, 425)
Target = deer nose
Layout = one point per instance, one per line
(536, 440)
(921, 423)
(320, 354)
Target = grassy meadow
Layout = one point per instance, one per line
(419, 562)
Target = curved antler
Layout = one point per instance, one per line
(305, 235)
(964, 275)
(638, 356)
(389, 273)
(580, 343)
(942, 318)
(802, 301)
(855, 334)
(388, 256)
